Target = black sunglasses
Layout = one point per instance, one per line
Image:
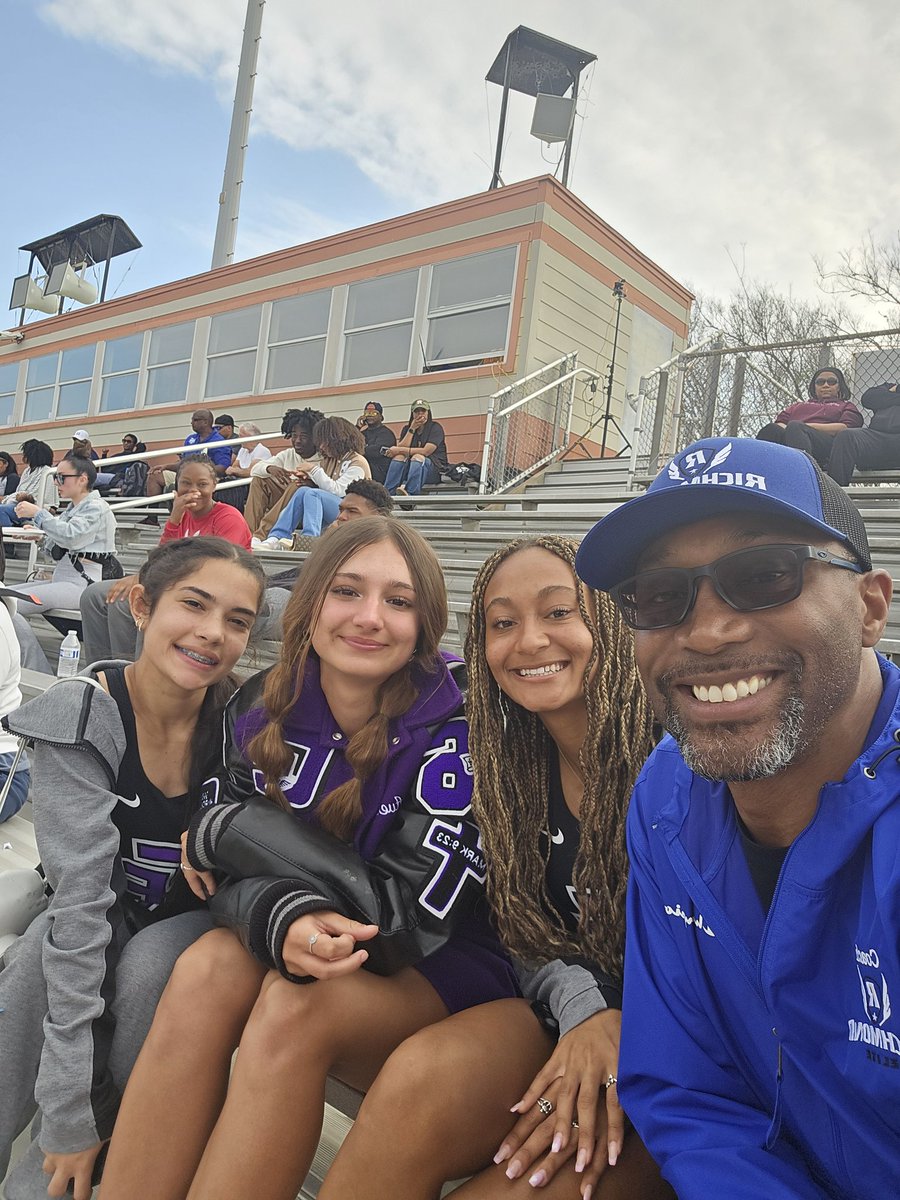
(747, 580)
(60, 477)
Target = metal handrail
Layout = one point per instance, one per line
(180, 448)
(493, 413)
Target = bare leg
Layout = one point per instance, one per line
(179, 1081)
(449, 1090)
(264, 1141)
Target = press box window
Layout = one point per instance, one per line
(378, 326)
(121, 360)
(231, 355)
(9, 374)
(168, 363)
(468, 308)
(297, 332)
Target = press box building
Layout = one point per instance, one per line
(450, 304)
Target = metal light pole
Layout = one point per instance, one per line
(230, 196)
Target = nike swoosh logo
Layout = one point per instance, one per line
(135, 803)
(557, 838)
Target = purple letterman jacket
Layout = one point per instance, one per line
(415, 867)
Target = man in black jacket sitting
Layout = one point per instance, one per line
(378, 437)
(877, 447)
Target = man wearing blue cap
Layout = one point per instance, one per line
(760, 1050)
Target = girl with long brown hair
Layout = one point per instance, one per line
(315, 505)
(559, 728)
(341, 840)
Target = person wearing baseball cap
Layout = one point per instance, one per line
(379, 439)
(420, 455)
(760, 1050)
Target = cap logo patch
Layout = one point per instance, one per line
(695, 468)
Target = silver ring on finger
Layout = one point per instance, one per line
(313, 938)
(187, 867)
(575, 1125)
(610, 1081)
(545, 1105)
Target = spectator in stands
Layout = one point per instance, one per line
(203, 434)
(196, 511)
(362, 693)
(10, 699)
(559, 729)
(108, 628)
(419, 456)
(9, 475)
(80, 540)
(273, 482)
(378, 437)
(813, 424)
(120, 757)
(242, 463)
(763, 912)
(36, 483)
(82, 447)
(363, 498)
(225, 427)
(315, 505)
(875, 448)
(129, 479)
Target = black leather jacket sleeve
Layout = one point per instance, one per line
(278, 869)
(427, 874)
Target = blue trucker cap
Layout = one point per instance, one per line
(708, 479)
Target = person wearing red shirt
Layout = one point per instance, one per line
(108, 628)
(195, 510)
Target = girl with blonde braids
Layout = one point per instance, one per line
(559, 729)
(337, 844)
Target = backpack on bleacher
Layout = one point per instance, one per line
(131, 480)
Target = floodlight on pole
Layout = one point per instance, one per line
(539, 66)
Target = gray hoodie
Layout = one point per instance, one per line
(78, 746)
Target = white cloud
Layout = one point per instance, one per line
(758, 127)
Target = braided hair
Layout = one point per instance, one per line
(340, 810)
(511, 753)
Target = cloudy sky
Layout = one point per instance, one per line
(711, 132)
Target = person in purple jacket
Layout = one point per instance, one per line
(812, 425)
(339, 845)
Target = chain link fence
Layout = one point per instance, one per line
(529, 423)
(719, 390)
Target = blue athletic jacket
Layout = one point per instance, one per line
(760, 1055)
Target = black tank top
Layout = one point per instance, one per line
(564, 832)
(149, 823)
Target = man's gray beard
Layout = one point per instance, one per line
(724, 762)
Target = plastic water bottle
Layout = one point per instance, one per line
(69, 654)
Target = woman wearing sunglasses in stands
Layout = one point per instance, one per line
(79, 540)
(559, 730)
(813, 424)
